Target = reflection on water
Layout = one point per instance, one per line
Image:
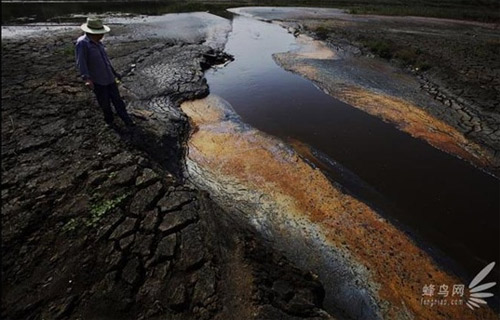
(442, 200)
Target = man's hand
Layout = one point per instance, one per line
(89, 84)
(118, 76)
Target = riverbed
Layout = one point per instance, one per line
(417, 187)
(435, 196)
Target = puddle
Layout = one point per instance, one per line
(450, 206)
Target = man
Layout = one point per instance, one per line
(97, 72)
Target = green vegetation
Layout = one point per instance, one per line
(321, 32)
(406, 56)
(71, 225)
(98, 210)
(68, 50)
(382, 48)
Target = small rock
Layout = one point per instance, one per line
(145, 198)
(175, 200)
(148, 176)
(192, 248)
(176, 220)
(166, 246)
(122, 159)
(125, 242)
(113, 259)
(142, 245)
(125, 176)
(96, 178)
(162, 270)
(66, 307)
(131, 271)
(126, 227)
(177, 298)
(106, 228)
(149, 222)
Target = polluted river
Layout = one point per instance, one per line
(333, 158)
(370, 209)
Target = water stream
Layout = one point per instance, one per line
(444, 202)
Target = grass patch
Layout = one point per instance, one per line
(382, 48)
(405, 56)
(71, 225)
(321, 32)
(101, 208)
(98, 210)
(411, 57)
(68, 50)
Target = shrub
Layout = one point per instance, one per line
(408, 56)
(382, 48)
(321, 32)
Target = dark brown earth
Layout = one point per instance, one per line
(99, 223)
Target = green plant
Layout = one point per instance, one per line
(382, 48)
(70, 225)
(408, 56)
(99, 209)
(68, 50)
(321, 32)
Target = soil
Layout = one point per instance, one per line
(100, 222)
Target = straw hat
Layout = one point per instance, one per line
(94, 26)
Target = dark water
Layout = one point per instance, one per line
(449, 206)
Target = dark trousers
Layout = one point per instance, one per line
(107, 94)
